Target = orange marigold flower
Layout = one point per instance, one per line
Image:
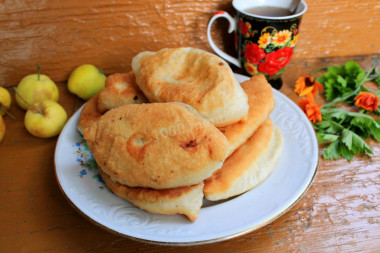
(367, 100)
(306, 84)
(311, 110)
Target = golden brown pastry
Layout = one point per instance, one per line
(261, 104)
(89, 113)
(185, 200)
(120, 89)
(157, 145)
(195, 77)
(248, 166)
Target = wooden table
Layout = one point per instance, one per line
(339, 213)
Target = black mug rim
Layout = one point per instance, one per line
(301, 10)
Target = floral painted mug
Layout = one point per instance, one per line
(266, 33)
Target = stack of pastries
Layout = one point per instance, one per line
(179, 128)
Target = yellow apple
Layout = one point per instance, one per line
(45, 119)
(85, 81)
(5, 100)
(2, 128)
(35, 88)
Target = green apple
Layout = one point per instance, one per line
(85, 81)
(35, 88)
(2, 128)
(5, 100)
(45, 119)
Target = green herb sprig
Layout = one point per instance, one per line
(343, 130)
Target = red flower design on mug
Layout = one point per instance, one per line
(219, 12)
(243, 28)
(253, 53)
(276, 60)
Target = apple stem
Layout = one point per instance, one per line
(36, 109)
(38, 72)
(3, 109)
(23, 99)
(10, 115)
(32, 107)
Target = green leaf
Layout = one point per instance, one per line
(377, 112)
(362, 124)
(377, 81)
(347, 136)
(375, 130)
(345, 130)
(354, 72)
(333, 70)
(359, 78)
(332, 151)
(359, 145)
(352, 67)
(362, 121)
(330, 92)
(330, 127)
(347, 146)
(345, 152)
(326, 137)
(340, 80)
(336, 113)
(362, 131)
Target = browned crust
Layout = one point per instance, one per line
(157, 145)
(261, 103)
(240, 160)
(120, 89)
(150, 199)
(89, 113)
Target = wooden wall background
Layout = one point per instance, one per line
(60, 35)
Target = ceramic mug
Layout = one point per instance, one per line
(264, 43)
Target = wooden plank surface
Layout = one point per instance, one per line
(339, 213)
(60, 35)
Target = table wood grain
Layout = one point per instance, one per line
(339, 213)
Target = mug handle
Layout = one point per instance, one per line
(231, 28)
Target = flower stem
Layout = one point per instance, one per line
(318, 69)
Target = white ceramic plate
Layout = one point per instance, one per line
(79, 180)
